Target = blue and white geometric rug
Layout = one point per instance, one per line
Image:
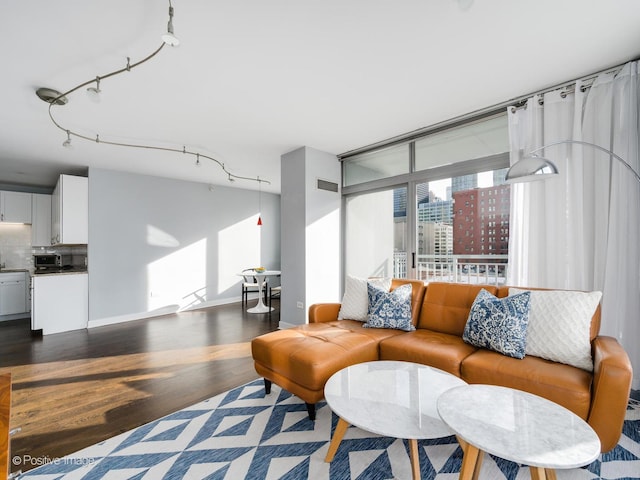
(243, 434)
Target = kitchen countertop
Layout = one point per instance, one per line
(58, 272)
(13, 270)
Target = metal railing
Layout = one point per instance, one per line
(476, 269)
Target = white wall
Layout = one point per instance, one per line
(158, 245)
(292, 200)
(310, 233)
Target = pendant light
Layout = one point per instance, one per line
(259, 202)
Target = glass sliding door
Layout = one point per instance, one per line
(376, 234)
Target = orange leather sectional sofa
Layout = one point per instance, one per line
(301, 359)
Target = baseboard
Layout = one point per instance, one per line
(284, 325)
(169, 309)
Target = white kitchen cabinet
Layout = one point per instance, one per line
(41, 220)
(13, 293)
(15, 207)
(59, 303)
(70, 211)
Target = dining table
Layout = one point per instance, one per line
(260, 278)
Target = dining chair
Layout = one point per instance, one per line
(274, 292)
(250, 284)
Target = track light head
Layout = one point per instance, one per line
(169, 38)
(94, 92)
(67, 143)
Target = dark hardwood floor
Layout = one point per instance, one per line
(71, 390)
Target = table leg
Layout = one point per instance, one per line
(539, 473)
(551, 474)
(337, 438)
(471, 461)
(260, 306)
(415, 458)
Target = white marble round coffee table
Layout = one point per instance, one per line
(516, 426)
(394, 399)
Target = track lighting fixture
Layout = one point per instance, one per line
(169, 38)
(55, 98)
(50, 95)
(67, 142)
(94, 92)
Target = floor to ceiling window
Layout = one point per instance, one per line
(434, 207)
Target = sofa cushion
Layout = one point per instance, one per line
(390, 309)
(499, 324)
(439, 350)
(446, 306)
(310, 354)
(355, 326)
(355, 301)
(560, 324)
(569, 386)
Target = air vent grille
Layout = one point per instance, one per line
(328, 186)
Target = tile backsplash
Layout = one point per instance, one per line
(15, 246)
(16, 251)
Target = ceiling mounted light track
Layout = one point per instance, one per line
(54, 97)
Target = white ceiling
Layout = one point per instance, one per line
(254, 79)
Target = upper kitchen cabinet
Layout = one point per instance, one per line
(70, 211)
(15, 207)
(41, 220)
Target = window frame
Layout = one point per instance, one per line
(413, 178)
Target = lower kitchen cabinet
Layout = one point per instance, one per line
(13, 293)
(59, 302)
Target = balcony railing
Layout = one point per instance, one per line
(479, 269)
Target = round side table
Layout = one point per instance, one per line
(390, 398)
(516, 426)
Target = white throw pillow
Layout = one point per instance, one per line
(355, 302)
(560, 325)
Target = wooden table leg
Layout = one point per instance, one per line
(551, 474)
(415, 458)
(341, 428)
(539, 473)
(471, 461)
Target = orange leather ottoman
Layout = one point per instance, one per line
(302, 359)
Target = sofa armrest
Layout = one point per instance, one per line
(323, 312)
(612, 376)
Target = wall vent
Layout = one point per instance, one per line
(327, 185)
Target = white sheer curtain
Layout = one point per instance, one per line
(581, 229)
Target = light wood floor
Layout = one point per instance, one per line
(74, 389)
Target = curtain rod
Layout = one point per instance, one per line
(568, 88)
(517, 102)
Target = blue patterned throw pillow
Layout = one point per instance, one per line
(499, 324)
(390, 309)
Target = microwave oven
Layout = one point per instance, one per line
(43, 261)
